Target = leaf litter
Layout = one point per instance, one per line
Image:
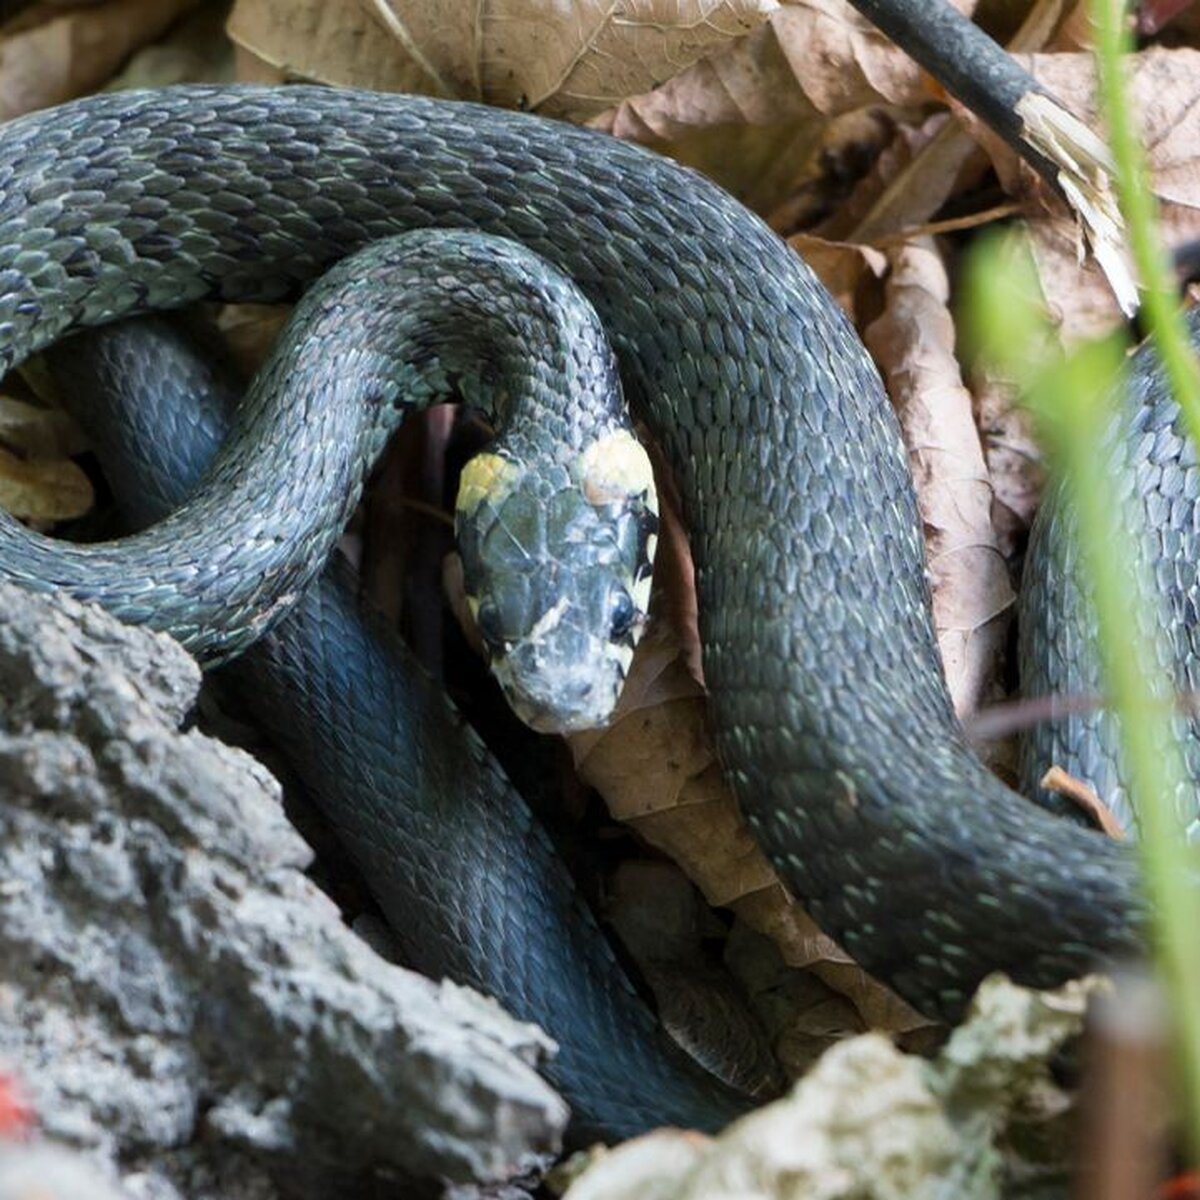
(39, 481)
(559, 60)
(49, 54)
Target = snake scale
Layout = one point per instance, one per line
(830, 712)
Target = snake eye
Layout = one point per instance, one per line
(624, 614)
(490, 629)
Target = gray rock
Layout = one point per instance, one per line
(175, 995)
(45, 1172)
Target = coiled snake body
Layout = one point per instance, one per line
(831, 715)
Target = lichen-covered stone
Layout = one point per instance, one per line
(175, 995)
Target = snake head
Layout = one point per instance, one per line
(557, 558)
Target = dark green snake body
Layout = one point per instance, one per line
(1155, 476)
(831, 715)
(463, 872)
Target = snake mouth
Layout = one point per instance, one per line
(566, 698)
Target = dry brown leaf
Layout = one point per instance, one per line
(195, 50)
(842, 61)
(37, 432)
(812, 57)
(604, 51)
(844, 268)
(771, 112)
(908, 181)
(38, 481)
(559, 60)
(913, 342)
(923, 165)
(1014, 461)
(330, 41)
(43, 489)
(249, 331)
(73, 52)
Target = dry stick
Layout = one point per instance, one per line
(1085, 798)
(1004, 96)
(968, 64)
(943, 158)
(1014, 716)
(983, 216)
(1124, 1106)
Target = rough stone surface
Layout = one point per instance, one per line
(176, 997)
(45, 1172)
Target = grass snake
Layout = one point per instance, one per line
(469, 882)
(828, 704)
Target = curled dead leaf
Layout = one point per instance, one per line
(559, 60)
(43, 490)
(769, 112)
(843, 267)
(194, 50)
(1014, 461)
(811, 58)
(337, 42)
(910, 179)
(249, 330)
(37, 432)
(38, 481)
(913, 343)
